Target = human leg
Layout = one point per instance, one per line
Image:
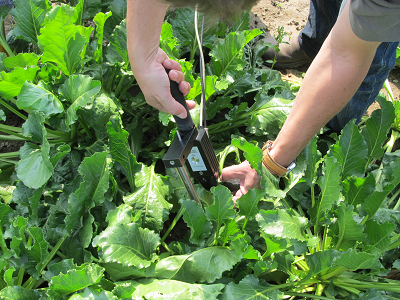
(321, 18)
(302, 49)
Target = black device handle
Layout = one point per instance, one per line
(187, 124)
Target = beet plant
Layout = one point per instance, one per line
(89, 212)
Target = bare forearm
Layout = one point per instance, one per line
(144, 23)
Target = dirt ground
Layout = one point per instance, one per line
(293, 15)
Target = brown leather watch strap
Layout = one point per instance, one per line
(275, 168)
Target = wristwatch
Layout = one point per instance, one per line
(275, 168)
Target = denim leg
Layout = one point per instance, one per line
(321, 19)
(383, 62)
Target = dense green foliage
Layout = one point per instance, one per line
(89, 212)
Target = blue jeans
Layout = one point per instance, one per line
(320, 21)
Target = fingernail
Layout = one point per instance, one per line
(187, 85)
(174, 75)
(182, 115)
(167, 63)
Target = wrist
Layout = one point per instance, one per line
(274, 166)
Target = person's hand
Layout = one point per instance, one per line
(248, 178)
(154, 83)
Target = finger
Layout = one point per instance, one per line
(184, 87)
(233, 172)
(191, 104)
(172, 65)
(237, 196)
(176, 76)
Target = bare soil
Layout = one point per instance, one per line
(293, 15)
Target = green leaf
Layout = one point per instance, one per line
(98, 113)
(29, 199)
(121, 215)
(34, 168)
(281, 224)
(195, 218)
(330, 187)
(250, 288)
(252, 153)
(87, 10)
(168, 42)
(116, 51)
(204, 265)
(95, 171)
(248, 203)
(389, 179)
(100, 19)
(396, 264)
(149, 198)
(61, 41)
(152, 288)
(321, 261)
(274, 245)
(21, 60)
(34, 127)
(94, 294)
(61, 267)
(38, 252)
(348, 229)
(351, 151)
(354, 260)
(29, 16)
(19, 293)
(75, 280)
(222, 208)
(356, 190)
(16, 231)
(123, 158)
(79, 91)
(6, 213)
(11, 83)
(228, 52)
(379, 235)
(128, 244)
(268, 114)
(241, 85)
(39, 97)
(118, 10)
(377, 127)
(117, 271)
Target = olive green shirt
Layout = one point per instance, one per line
(376, 20)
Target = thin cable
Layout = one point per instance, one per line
(202, 70)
